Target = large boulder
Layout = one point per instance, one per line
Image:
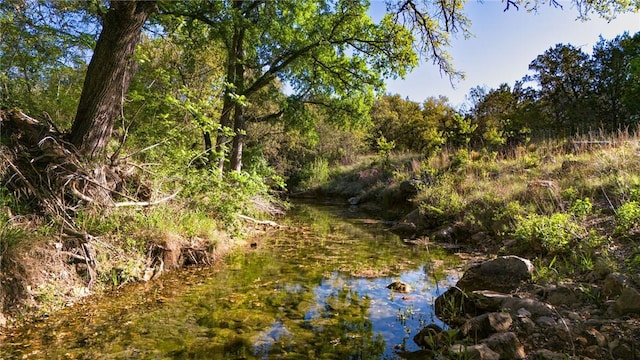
(503, 274)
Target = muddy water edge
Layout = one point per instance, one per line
(317, 289)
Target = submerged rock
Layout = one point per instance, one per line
(399, 286)
(430, 337)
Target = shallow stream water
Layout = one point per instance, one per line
(315, 291)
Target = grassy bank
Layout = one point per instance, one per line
(44, 266)
(573, 205)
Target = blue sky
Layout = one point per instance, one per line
(503, 45)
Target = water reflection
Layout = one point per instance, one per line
(318, 292)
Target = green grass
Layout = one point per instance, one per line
(554, 197)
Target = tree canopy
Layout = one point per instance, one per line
(283, 61)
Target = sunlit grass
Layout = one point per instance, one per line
(548, 177)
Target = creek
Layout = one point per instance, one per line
(315, 291)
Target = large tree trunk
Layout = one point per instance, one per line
(235, 76)
(109, 75)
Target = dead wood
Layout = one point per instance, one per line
(49, 173)
(259, 222)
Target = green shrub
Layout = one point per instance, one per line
(315, 173)
(554, 234)
(581, 207)
(10, 238)
(570, 194)
(443, 199)
(506, 219)
(628, 216)
(460, 158)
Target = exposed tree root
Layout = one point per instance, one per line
(41, 169)
(46, 169)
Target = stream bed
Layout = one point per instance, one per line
(317, 290)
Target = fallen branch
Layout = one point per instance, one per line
(147, 203)
(80, 195)
(75, 256)
(259, 222)
(79, 235)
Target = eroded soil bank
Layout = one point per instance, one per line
(316, 288)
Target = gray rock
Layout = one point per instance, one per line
(522, 312)
(443, 235)
(628, 302)
(527, 325)
(562, 295)
(546, 321)
(533, 306)
(473, 352)
(614, 283)
(545, 354)
(484, 325)
(506, 344)
(503, 274)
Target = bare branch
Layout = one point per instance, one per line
(147, 203)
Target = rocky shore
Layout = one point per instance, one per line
(495, 312)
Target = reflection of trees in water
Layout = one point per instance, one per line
(274, 302)
(342, 327)
(336, 323)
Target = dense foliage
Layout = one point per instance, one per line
(224, 104)
(220, 85)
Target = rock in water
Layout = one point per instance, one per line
(503, 274)
(399, 286)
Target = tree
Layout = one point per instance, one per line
(613, 68)
(109, 74)
(42, 50)
(565, 77)
(504, 115)
(631, 98)
(397, 120)
(331, 54)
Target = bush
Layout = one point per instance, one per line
(581, 207)
(554, 234)
(507, 218)
(315, 174)
(628, 216)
